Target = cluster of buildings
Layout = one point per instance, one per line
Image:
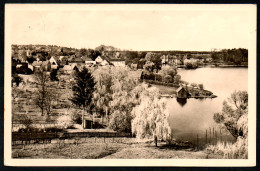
(63, 63)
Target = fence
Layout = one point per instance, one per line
(46, 137)
(211, 136)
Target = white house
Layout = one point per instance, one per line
(53, 61)
(118, 62)
(102, 61)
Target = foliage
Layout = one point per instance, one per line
(238, 150)
(177, 79)
(201, 86)
(54, 75)
(103, 92)
(151, 116)
(26, 121)
(234, 114)
(16, 79)
(64, 121)
(235, 56)
(83, 88)
(190, 64)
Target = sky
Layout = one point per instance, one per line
(133, 28)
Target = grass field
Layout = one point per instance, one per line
(108, 148)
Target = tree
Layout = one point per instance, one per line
(151, 117)
(54, 75)
(177, 79)
(201, 86)
(44, 95)
(103, 92)
(234, 114)
(83, 52)
(83, 89)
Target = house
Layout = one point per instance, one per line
(54, 64)
(63, 60)
(118, 62)
(70, 68)
(36, 65)
(101, 60)
(46, 66)
(182, 93)
(87, 122)
(78, 60)
(88, 60)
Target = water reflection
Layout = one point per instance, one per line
(181, 101)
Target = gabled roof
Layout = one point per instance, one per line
(86, 58)
(116, 59)
(179, 89)
(78, 59)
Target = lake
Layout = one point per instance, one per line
(194, 116)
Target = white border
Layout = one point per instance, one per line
(251, 161)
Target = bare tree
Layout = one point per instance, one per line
(44, 96)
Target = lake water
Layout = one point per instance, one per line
(196, 115)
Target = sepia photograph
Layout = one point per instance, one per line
(154, 83)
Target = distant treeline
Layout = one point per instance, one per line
(231, 56)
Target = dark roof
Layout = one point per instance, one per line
(116, 59)
(78, 59)
(179, 89)
(85, 58)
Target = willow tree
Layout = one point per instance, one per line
(151, 117)
(103, 93)
(83, 88)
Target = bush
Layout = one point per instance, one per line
(238, 150)
(53, 129)
(77, 118)
(26, 121)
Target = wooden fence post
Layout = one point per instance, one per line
(209, 135)
(70, 152)
(197, 141)
(206, 136)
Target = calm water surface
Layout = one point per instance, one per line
(196, 115)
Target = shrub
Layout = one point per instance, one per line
(64, 121)
(238, 150)
(26, 121)
(77, 118)
(53, 129)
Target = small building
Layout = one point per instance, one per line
(118, 62)
(88, 60)
(54, 64)
(36, 65)
(70, 68)
(87, 122)
(182, 93)
(77, 60)
(46, 66)
(102, 60)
